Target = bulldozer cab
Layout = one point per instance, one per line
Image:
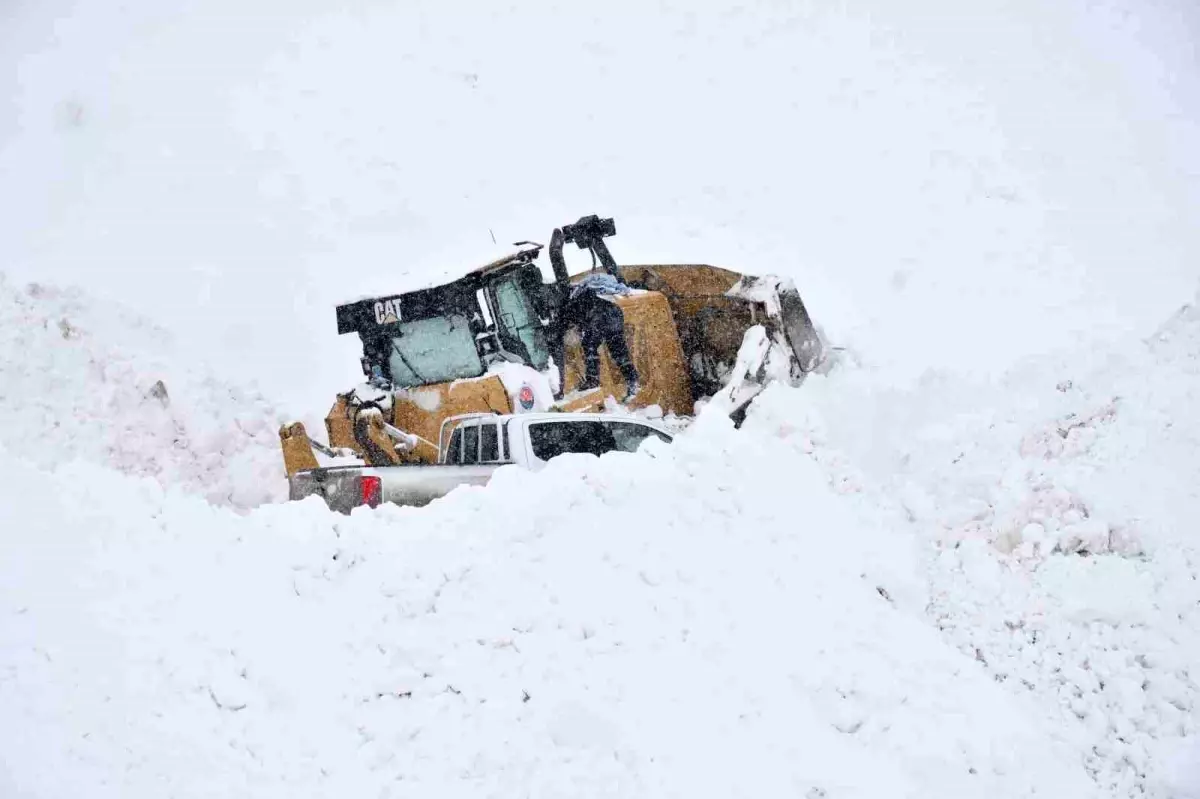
(499, 312)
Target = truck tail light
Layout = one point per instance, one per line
(372, 490)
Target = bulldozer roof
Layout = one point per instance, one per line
(370, 313)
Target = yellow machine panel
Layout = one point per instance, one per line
(421, 412)
(654, 344)
(709, 324)
(339, 424)
(297, 452)
(682, 279)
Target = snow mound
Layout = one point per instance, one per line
(1059, 507)
(708, 618)
(85, 380)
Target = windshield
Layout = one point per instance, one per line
(434, 350)
(519, 327)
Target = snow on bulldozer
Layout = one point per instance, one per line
(499, 340)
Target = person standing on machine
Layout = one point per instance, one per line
(601, 321)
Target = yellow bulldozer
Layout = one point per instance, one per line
(496, 341)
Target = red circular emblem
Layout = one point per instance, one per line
(525, 397)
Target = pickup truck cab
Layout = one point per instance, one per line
(476, 445)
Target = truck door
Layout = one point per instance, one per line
(552, 438)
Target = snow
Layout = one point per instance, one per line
(516, 376)
(609, 645)
(962, 563)
(742, 610)
(87, 380)
(1183, 777)
(425, 399)
(1064, 554)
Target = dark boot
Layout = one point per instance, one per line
(632, 384)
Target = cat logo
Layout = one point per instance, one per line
(387, 312)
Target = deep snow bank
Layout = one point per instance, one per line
(86, 379)
(714, 620)
(1060, 505)
(749, 601)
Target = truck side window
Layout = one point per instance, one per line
(629, 435)
(471, 444)
(454, 450)
(489, 449)
(551, 439)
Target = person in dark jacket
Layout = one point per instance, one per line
(600, 321)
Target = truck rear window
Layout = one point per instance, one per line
(551, 439)
(471, 445)
(489, 451)
(454, 450)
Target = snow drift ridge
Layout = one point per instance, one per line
(87, 380)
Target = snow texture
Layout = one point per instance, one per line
(580, 631)
(740, 611)
(1061, 510)
(963, 563)
(88, 380)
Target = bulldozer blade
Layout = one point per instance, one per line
(745, 379)
(783, 303)
(798, 327)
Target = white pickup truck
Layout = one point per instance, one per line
(478, 444)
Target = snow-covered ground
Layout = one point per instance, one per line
(947, 591)
(637, 627)
(963, 564)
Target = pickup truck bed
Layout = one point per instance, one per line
(415, 484)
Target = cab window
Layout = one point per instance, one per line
(518, 323)
(629, 436)
(551, 439)
(489, 443)
(471, 444)
(591, 437)
(435, 350)
(454, 450)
